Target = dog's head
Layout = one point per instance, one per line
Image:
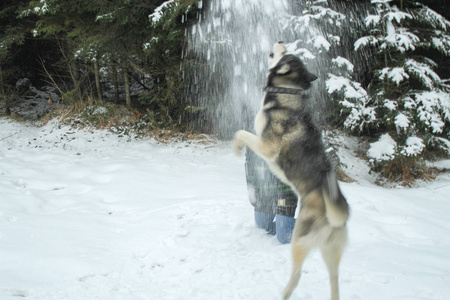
(287, 70)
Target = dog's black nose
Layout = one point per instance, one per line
(280, 42)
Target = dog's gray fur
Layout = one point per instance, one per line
(287, 139)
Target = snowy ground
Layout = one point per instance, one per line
(95, 216)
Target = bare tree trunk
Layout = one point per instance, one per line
(127, 87)
(97, 81)
(74, 71)
(72, 66)
(2, 88)
(116, 82)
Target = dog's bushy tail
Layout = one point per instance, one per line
(337, 208)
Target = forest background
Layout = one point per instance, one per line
(387, 79)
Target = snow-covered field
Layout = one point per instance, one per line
(96, 216)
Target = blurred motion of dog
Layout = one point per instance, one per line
(291, 144)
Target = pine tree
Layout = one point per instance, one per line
(316, 29)
(322, 31)
(13, 34)
(70, 23)
(142, 40)
(407, 103)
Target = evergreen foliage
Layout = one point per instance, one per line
(135, 42)
(320, 33)
(406, 103)
(396, 92)
(13, 35)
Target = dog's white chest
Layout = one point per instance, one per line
(260, 122)
(261, 119)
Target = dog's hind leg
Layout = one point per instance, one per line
(332, 253)
(299, 254)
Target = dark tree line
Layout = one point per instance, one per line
(77, 45)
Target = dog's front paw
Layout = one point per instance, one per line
(238, 143)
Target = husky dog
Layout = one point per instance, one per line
(287, 139)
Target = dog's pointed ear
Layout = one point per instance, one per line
(283, 68)
(311, 77)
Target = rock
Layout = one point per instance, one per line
(23, 85)
(34, 103)
(96, 110)
(52, 93)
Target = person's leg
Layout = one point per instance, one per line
(265, 221)
(260, 191)
(284, 228)
(284, 218)
(264, 190)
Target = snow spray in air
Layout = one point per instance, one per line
(231, 43)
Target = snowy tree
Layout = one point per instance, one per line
(309, 28)
(14, 33)
(321, 32)
(352, 98)
(406, 101)
(141, 40)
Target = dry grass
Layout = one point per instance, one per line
(123, 121)
(406, 170)
(342, 176)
